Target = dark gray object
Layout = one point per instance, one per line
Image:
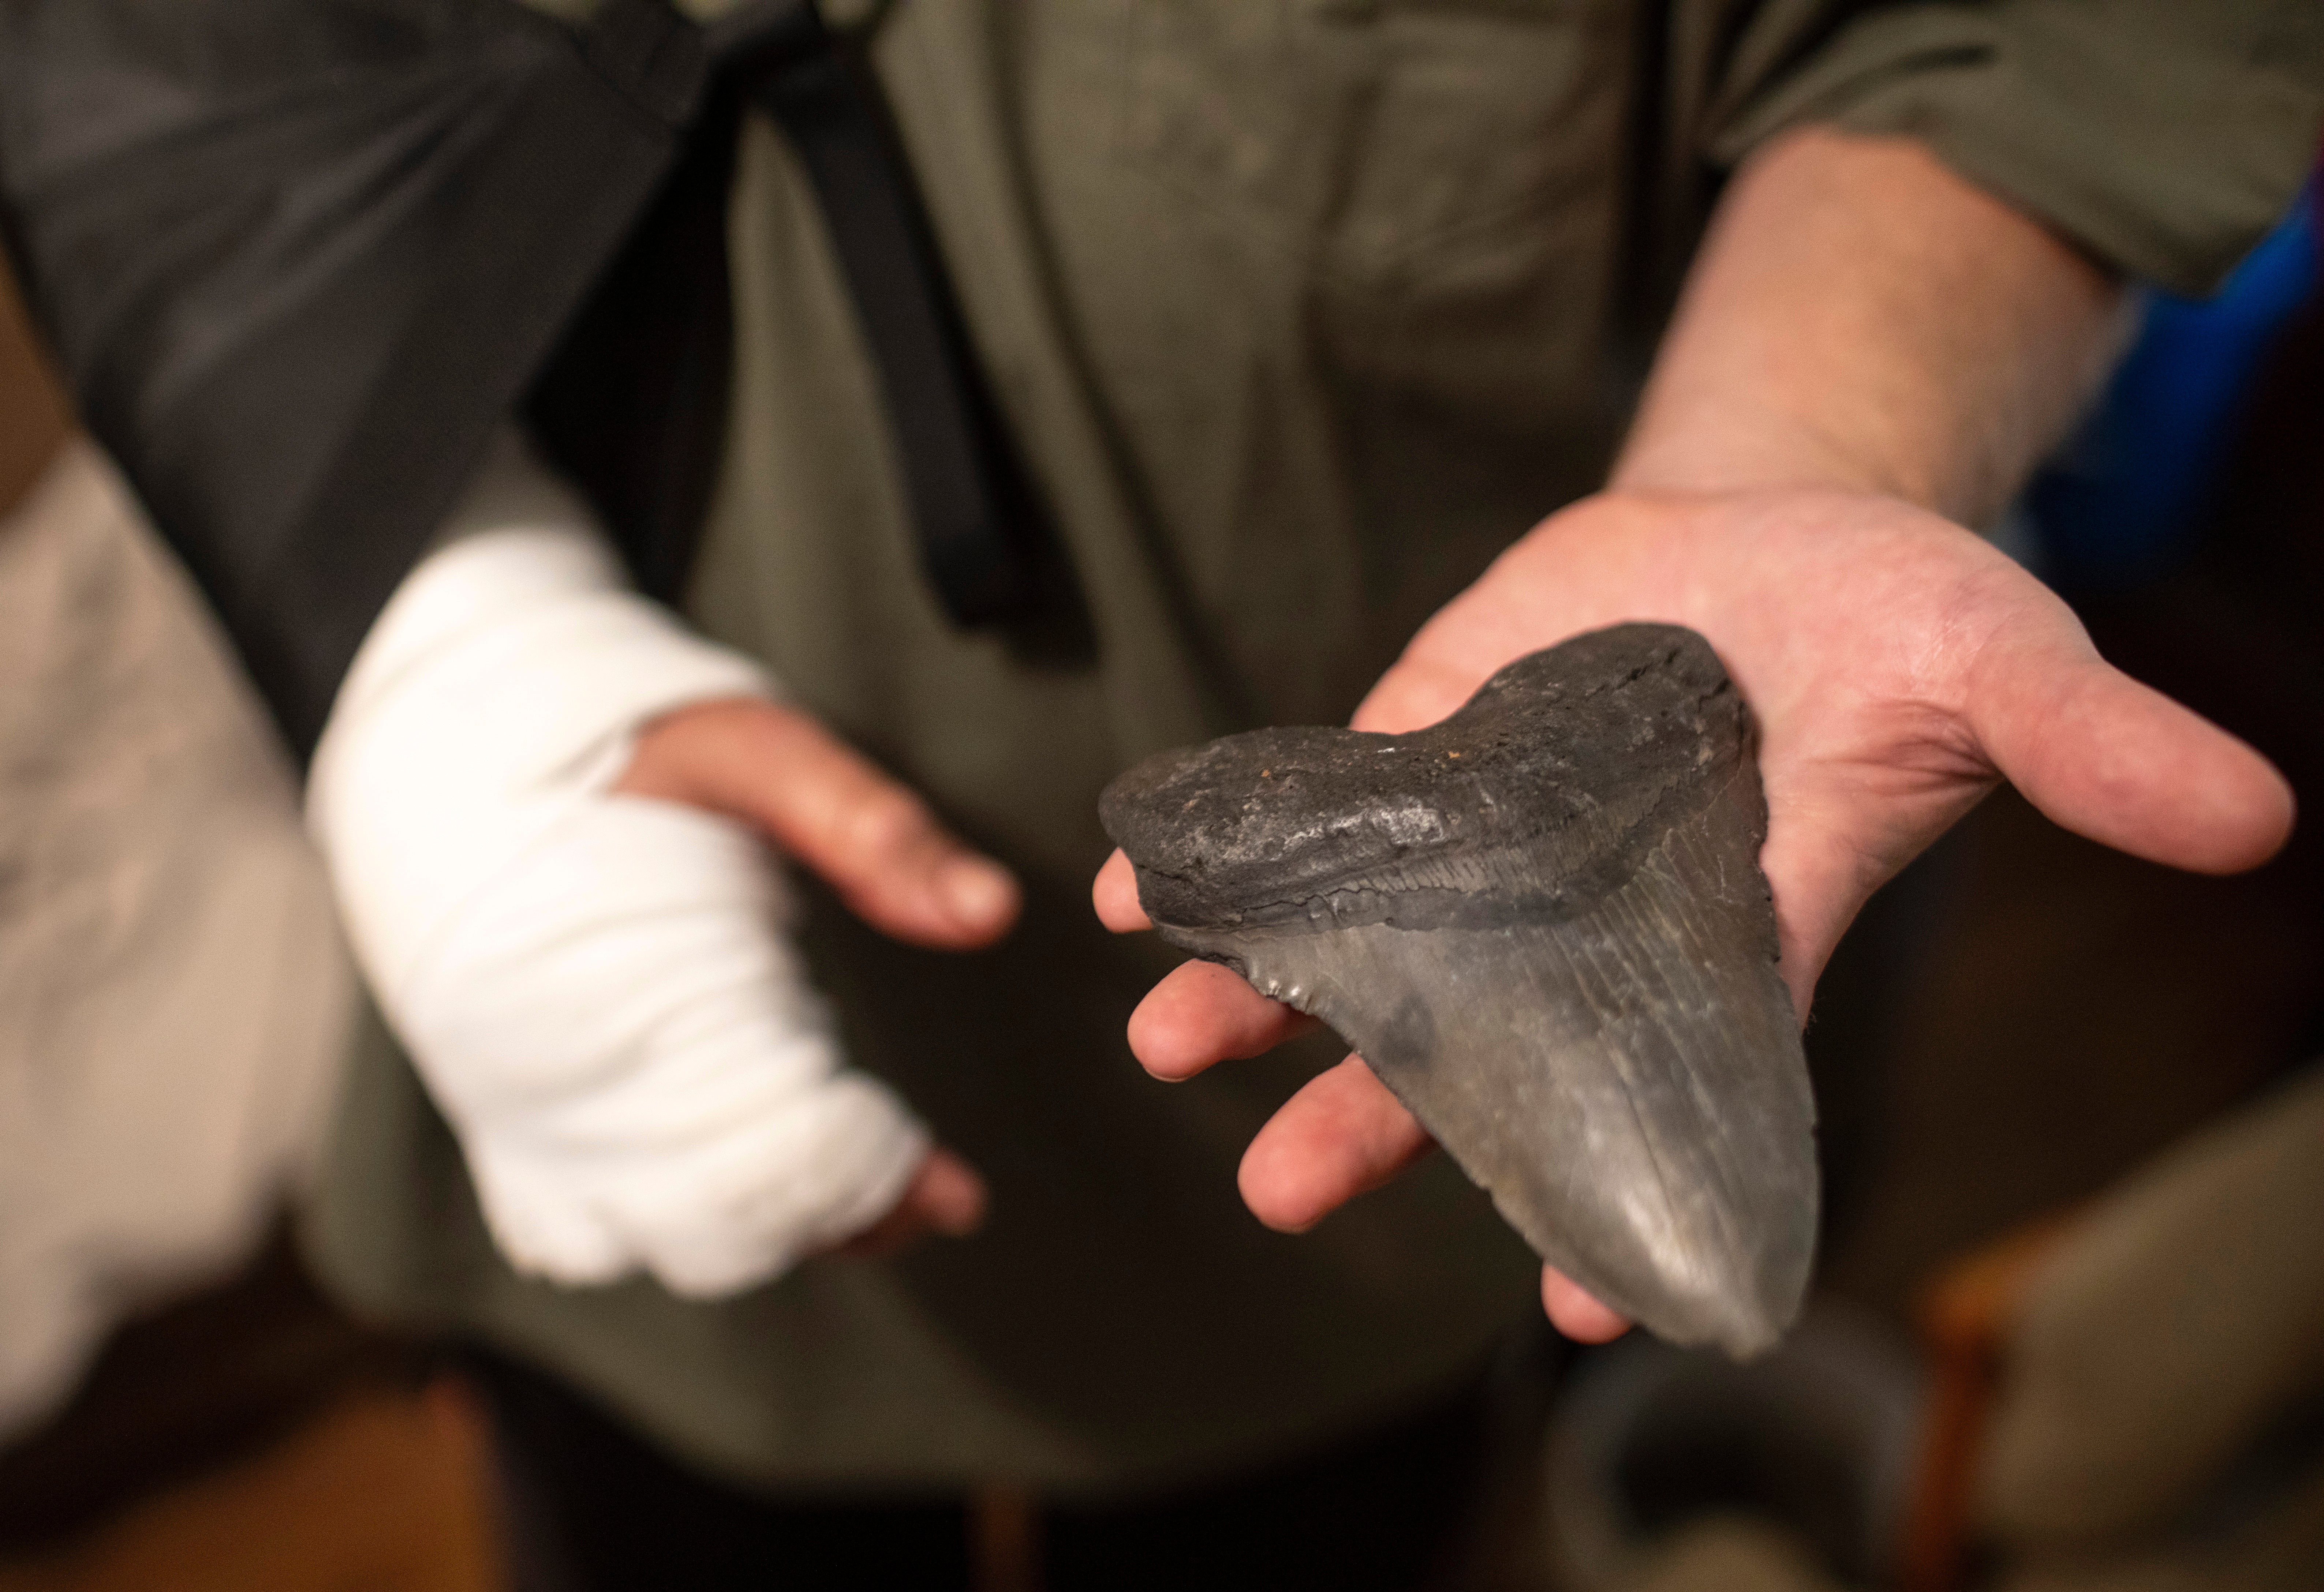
(298, 258)
(1543, 923)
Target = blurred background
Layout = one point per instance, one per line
(2070, 1326)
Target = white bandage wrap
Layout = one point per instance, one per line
(596, 988)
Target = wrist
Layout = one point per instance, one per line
(505, 678)
(1861, 316)
(1765, 450)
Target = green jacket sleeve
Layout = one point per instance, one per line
(2164, 136)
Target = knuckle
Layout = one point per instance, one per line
(880, 823)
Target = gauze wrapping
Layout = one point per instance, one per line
(598, 988)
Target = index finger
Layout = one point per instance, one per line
(1201, 1014)
(877, 844)
(1115, 896)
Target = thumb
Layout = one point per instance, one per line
(1414, 694)
(2118, 761)
(825, 806)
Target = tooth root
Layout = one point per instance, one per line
(1595, 1032)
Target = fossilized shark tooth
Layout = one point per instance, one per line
(1543, 923)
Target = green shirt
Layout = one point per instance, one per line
(1301, 309)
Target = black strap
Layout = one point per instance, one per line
(632, 405)
(977, 520)
(298, 361)
(298, 278)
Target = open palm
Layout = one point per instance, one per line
(1899, 666)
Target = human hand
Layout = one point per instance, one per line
(1899, 668)
(547, 810)
(776, 770)
(772, 768)
(945, 1196)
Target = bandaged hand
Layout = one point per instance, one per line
(546, 808)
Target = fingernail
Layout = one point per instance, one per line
(976, 892)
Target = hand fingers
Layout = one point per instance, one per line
(2116, 760)
(874, 842)
(1201, 1013)
(1344, 1135)
(1576, 1313)
(1341, 1136)
(949, 1194)
(1820, 879)
(868, 837)
(1115, 896)
(944, 1196)
(1414, 694)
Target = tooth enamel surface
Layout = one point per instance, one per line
(1542, 923)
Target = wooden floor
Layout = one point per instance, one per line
(383, 1490)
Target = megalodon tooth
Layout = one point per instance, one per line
(1542, 921)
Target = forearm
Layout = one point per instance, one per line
(1860, 320)
(1861, 317)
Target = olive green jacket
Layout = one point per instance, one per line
(1301, 310)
